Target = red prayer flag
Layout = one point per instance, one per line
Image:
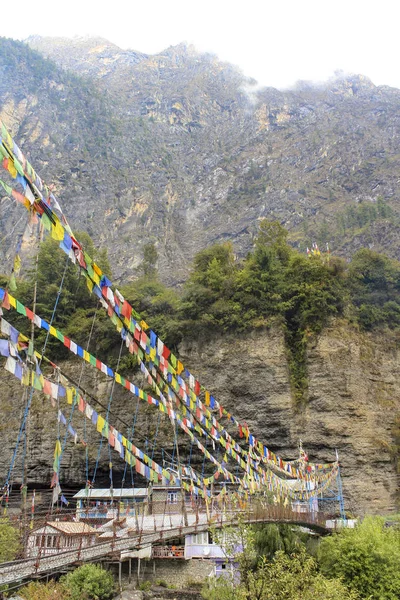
(6, 301)
(126, 310)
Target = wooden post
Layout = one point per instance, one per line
(130, 570)
(120, 574)
(154, 566)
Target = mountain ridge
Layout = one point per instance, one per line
(183, 150)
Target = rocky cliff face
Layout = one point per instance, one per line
(354, 401)
(182, 150)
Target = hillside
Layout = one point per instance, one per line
(182, 150)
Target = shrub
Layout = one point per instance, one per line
(9, 541)
(89, 582)
(367, 558)
(43, 591)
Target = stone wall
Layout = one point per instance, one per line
(177, 573)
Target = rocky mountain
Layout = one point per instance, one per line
(183, 150)
(353, 406)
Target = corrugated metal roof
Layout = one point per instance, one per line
(105, 493)
(71, 528)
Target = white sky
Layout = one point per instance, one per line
(276, 42)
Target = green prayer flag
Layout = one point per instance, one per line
(46, 222)
(37, 383)
(12, 286)
(18, 166)
(20, 307)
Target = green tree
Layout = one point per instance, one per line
(276, 537)
(208, 298)
(150, 257)
(9, 541)
(89, 582)
(293, 577)
(158, 306)
(367, 558)
(374, 284)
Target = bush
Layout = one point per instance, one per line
(43, 591)
(9, 541)
(89, 582)
(366, 558)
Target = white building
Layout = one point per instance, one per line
(59, 536)
(106, 503)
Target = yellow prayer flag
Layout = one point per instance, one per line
(57, 231)
(100, 423)
(11, 168)
(69, 395)
(25, 377)
(97, 270)
(17, 264)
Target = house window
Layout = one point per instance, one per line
(172, 497)
(200, 539)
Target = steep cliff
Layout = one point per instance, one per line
(353, 405)
(182, 150)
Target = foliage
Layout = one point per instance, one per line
(277, 537)
(43, 591)
(374, 282)
(9, 541)
(367, 558)
(145, 586)
(150, 256)
(273, 283)
(292, 576)
(157, 304)
(89, 582)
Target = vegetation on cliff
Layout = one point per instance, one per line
(273, 283)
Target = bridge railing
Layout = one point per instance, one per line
(48, 540)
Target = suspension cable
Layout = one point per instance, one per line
(107, 414)
(28, 404)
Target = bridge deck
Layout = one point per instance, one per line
(149, 530)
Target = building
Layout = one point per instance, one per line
(59, 536)
(104, 504)
(167, 499)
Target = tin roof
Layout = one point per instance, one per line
(105, 493)
(72, 528)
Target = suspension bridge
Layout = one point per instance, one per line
(220, 474)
